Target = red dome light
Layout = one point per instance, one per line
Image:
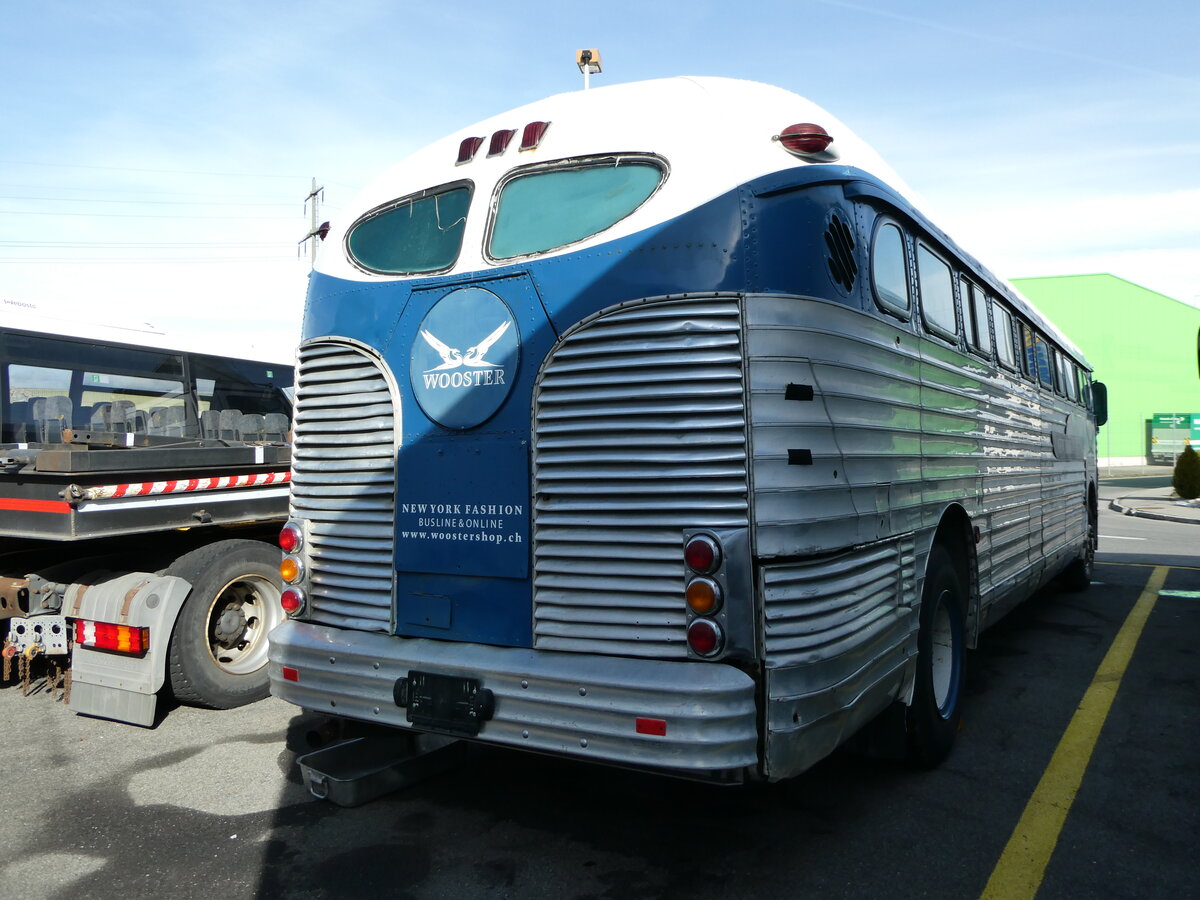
(804, 139)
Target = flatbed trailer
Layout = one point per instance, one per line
(136, 544)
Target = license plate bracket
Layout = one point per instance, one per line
(449, 703)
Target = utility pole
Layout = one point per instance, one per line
(315, 196)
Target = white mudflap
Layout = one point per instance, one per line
(114, 685)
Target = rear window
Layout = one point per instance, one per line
(553, 206)
(415, 235)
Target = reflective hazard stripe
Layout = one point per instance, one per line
(187, 486)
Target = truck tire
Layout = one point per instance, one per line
(218, 652)
(932, 719)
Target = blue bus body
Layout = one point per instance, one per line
(502, 464)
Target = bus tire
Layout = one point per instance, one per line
(1077, 576)
(217, 656)
(934, 716)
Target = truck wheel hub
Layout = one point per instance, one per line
(230, 626)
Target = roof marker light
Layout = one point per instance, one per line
(533, 134)
(804, 139)
(500, 141)
(467, 149)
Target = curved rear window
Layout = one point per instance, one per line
(550, 207)
(417, 234)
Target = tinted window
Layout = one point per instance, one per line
(937, 291)
(552, 207)
(421, 233)
(889, 271)
(250, 387)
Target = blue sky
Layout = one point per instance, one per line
(156, 155)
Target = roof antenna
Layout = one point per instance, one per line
(589, 64)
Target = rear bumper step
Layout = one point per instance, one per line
(578, 705)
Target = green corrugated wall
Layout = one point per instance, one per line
(1142, 344)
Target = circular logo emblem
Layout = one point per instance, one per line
(464, 358)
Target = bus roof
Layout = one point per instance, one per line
(713, 133)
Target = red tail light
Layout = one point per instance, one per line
(130, 639)
(291, 537)
(292, 600)
(702, 554)
(705, 638)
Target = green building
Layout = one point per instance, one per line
(1145, 346)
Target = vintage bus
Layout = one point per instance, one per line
(654, 425)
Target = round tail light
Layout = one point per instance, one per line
(291, 569)
(292, 601)
(705, 638)
(702, 554)
(291, 538)
(703, 596)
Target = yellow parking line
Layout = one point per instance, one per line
(1023, 863)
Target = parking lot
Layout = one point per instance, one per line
(210, 803)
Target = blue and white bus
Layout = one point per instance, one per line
(653, 425)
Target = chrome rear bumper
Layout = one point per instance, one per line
(566, 703)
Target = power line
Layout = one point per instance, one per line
(149, 202)
(23, 212)
(24, 162)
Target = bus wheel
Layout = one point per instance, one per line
(218, 652)
(1078, 575)
(936, 711)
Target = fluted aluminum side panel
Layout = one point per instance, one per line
(899, 427)
(344, 485)
(639, 434)
(842, 607)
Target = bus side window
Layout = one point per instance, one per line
(1004, 336)
(975, 318)
(889, 270)
(1070, 379)
(1041, 361)
(937, 293)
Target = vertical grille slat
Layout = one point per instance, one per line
(639, 434)
(344, 484)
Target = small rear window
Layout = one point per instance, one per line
(553, 206)
(415, 235)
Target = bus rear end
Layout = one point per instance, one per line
(521, 497)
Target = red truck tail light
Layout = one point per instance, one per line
(131, 639)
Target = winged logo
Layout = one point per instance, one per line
(453, 358)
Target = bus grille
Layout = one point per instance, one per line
(344, 484)
(639, 434)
